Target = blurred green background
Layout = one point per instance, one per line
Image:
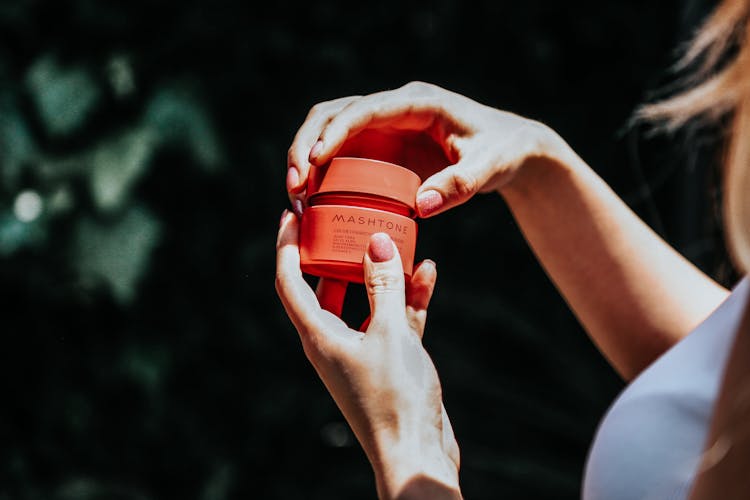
(142, 163)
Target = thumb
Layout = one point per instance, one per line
(384, 281)
(456, 183)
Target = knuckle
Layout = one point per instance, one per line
(382, 282)
(463, 183)
(282, 282)
(279, 283)
(315, 349)
(317, 109)
(344, 100)
(333, 123)
(422, 91)
(350, 108)
(533, 134)
(327, 107)
(413, 85)
(418, 86)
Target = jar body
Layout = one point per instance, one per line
(334, 237)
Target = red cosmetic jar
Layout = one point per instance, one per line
(349, 200)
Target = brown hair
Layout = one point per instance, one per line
(719, 87)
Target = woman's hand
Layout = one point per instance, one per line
(458, 146)
(585, 237)
(382, 380)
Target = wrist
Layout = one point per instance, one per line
(549, 158)
(411, 468)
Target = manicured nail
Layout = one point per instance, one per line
(381, 247)
(298, 207)
(430, 262)
(283, 216)
(316, 149)
(292, 178)
(428, 202)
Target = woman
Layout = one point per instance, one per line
(682, 428)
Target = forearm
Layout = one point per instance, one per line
(633, 293)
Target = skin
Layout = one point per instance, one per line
(382, 379)
(582, 233)
(633, 293)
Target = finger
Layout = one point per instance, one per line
(331, 293)
(384, 282)
(481, 168)
(414, 107)
(298, 164)
(457, 183)
(418, 294)
(298, 299)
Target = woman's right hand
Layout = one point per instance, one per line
(458, 146)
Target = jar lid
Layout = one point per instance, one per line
(363, 175)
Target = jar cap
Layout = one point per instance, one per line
(363, 175)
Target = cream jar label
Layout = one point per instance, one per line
(340, 233)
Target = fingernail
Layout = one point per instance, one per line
(428, 202)
(316, 149)
(381, 247)
(298, 207)
(292, 178)
(430, 262)
(283, 216)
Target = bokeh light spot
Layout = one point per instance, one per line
(27, 206)
(336, 435)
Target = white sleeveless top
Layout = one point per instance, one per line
(649, 444)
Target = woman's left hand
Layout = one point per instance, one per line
(383, 380)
